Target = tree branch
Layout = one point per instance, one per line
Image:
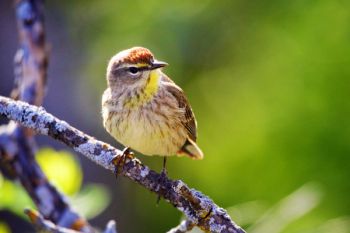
(17, 145)
(198, 208)
(183, 227)
(44, 225)
(17, 158)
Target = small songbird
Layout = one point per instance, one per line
(145, 110)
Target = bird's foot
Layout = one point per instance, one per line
(119, 161)
(162, 179)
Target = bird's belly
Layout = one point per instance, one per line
(148, 132)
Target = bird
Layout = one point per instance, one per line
(143, 109)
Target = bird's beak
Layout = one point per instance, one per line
(158, 64)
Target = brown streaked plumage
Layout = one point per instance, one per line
(145, 110)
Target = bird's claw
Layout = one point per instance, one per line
(162, 179)
(119, 160)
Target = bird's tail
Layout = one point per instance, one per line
(191, 149)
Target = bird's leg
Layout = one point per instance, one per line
(162, 177)
(119, 161)
(164, 171)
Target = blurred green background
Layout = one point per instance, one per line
(269, 82)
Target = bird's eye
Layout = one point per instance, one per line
(133, 70)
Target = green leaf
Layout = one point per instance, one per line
(289, 209)
(4, 228)
(13, 197)
(91, 200)
(338, 225)
(61, 168)
(247, 213)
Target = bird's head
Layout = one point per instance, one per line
(132, 66)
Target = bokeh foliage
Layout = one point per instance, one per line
(269, 84)
(64, 171)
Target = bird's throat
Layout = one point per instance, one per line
(152, 84)
(146, 93)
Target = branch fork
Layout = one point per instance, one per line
(17, 147)
(198, 208)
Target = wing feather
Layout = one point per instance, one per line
(189, 121)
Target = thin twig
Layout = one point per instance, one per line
(44, 225)
(183, 227)
(111, 227)
(198, 208)
(17, 156)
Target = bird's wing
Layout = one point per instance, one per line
(189, 120)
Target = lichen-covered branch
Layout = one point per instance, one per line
(17, 145)
(183, 227)
(17, 158)
(44, 225)
(198, 208)
(31, 59)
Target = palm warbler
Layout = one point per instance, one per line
(145, 110)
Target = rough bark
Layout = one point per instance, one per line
(17, 144)
(183, 227)
(44, 225)
(198, 208)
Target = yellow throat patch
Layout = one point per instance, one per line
(147, 93)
